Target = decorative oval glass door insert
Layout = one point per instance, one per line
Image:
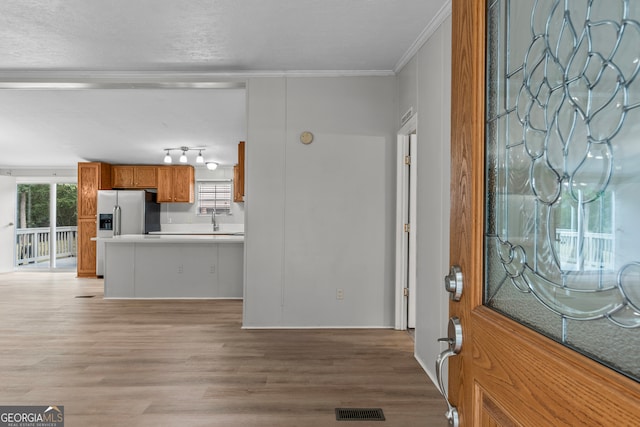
(562, 232)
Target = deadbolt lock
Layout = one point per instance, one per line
(453, 283)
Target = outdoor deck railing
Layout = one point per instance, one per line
(32, 244)
(596, 253)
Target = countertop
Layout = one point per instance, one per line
(207, 233)
(173, 238)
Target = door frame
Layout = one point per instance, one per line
(8, 225)
(52, 181)
(406, 200)
(506, 371)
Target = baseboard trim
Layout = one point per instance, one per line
(431, 374)
(316, 327)
(174, 298)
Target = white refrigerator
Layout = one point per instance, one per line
(124, 212)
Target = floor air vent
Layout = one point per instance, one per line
(359, 414)
(85, 296)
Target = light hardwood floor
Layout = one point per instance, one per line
(189, 363)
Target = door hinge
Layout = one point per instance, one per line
(407, 228)
(405, 292)
(407, 160)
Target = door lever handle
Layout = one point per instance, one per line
(454, 339)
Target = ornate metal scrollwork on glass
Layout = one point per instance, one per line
(562, 234)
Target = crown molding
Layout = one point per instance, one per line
(114, 80)
(321, 73)
(53, 79)
(438, 19)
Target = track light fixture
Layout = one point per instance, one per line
(183, 157)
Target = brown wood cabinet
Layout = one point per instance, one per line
(92, 176)
(238, 175)
(176, 184)
(145, 176)
(122, 176)
(86, 247)
(127, 176)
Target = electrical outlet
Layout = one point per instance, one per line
(339, 294)
(180, 269)
(212, 270)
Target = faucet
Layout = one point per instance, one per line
(215, 224)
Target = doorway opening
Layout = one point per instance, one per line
(406, 226)
(46, 232)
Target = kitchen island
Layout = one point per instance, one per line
(174, 266)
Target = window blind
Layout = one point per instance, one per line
(214, 196)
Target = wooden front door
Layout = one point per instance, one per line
(507, 373)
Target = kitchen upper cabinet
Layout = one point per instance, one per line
(92, 176)
(145, 177)
(176, 184)
(127, 176)
(122, 176)
(238, 175)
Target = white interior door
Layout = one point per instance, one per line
(402, 237)
(413, 201)
(406, 212)
(7, 222)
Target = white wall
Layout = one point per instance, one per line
(7, 217)
(43, 174)
(425, 85)
(264, 194)
(408, 87)
(319, 217)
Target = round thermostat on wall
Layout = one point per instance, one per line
(306, 137)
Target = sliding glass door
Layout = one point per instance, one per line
(43, 243)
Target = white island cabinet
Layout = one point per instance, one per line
(162, 266)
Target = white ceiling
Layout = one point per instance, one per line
(85, 40)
